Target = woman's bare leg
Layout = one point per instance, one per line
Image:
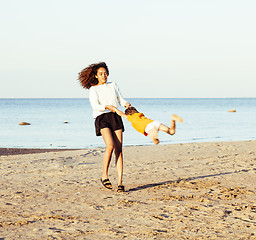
(108, 139)
(118, 144)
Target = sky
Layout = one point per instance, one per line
(153, 48)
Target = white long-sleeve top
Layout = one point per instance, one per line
(102, 95)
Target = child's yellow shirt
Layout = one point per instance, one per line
(139, 122)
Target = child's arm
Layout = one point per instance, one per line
(120, 113)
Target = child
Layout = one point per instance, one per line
(147, 126)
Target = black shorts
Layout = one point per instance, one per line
(108, 120)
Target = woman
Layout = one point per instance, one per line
(104, 98)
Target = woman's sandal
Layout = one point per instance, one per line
(120, 188)
(106, 183)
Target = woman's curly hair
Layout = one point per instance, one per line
(87, 76)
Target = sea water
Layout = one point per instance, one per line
(205, 120)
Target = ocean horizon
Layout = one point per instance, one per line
(205, 120)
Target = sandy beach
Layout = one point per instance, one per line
(177, 191)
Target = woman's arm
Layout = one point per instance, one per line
(127, 105)
(111, 108)
(120, 99)
(120, 113)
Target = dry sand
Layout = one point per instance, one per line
(179, 191)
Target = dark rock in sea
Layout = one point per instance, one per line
(24, 123)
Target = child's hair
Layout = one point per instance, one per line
(130, 110)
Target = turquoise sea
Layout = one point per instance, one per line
(205, 120)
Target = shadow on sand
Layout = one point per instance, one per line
(182, 179)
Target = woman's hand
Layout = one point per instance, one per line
(127, 105)
(111, 108)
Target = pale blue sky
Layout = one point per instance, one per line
(160, 48)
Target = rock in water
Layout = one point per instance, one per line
(24, 123)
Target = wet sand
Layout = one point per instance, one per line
(179, 191)
(17, 151)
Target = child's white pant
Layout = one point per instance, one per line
(152, 125)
